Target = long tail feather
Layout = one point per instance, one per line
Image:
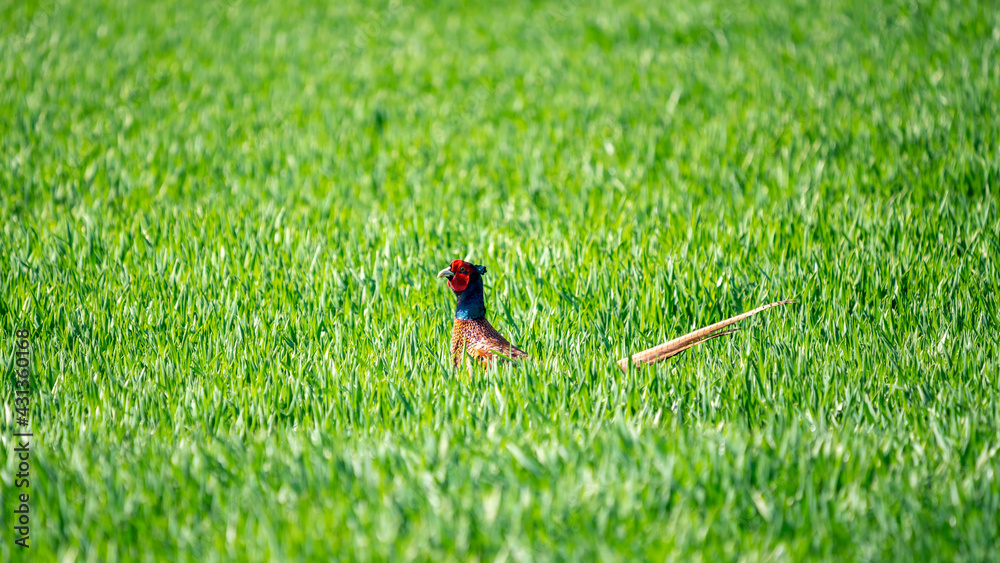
(678, 345)
(695, 343)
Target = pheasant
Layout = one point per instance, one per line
(473, 334)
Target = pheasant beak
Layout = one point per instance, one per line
(446, 273)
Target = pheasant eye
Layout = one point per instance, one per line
(464, 270)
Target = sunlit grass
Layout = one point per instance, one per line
(222, 224)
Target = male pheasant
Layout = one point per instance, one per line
(474, 335)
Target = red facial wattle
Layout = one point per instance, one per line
(459, 282)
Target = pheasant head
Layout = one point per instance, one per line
(466, 280)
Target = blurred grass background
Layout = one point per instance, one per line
(221, 222)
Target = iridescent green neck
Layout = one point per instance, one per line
(471, 304)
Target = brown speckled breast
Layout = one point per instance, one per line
(480, 340)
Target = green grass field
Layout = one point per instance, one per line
(221, 224)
